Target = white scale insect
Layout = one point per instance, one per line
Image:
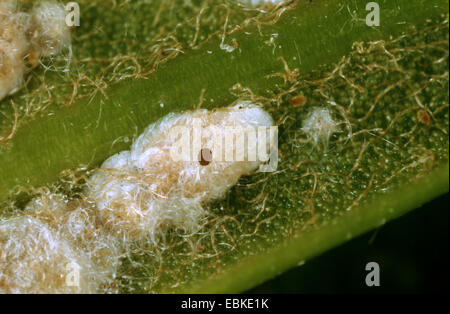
(136, 194)
(25, 38)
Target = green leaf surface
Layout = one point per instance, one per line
(386, 86)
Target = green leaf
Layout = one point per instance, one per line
(387, 87)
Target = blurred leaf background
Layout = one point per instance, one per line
(412, 253)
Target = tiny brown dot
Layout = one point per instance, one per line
(205, 156)
(423, 117)
(298, 101)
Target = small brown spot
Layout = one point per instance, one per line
(205, 156)
(235, 44)
(423, 117)
(298, 101)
